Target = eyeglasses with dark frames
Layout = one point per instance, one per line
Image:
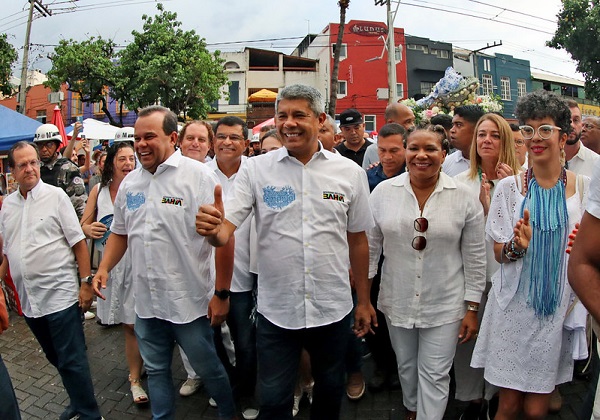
(419, 242)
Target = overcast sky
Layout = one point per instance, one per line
(234, 24)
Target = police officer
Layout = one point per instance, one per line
(57, 170)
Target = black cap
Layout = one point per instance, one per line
(350, 117)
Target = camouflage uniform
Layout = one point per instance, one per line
(63, 173)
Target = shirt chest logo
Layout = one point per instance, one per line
(335, 196)
(278, 198)
(176, 201)
(135, 201)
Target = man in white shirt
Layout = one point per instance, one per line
(311, 209)
(461, 136)
(45, 247)
(579, 158)
(173, 267)
(229, 143)
(590, 133)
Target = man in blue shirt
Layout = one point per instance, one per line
(390, 147)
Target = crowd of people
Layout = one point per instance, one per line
(271, 262)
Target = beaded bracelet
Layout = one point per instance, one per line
(507, 253)
(516, 254)
(508, 249)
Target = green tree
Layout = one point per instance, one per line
(577, 33)
(333, 89)
(87, 68)
(168, 65)
(8, 55)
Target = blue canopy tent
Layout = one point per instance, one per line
(15, 127)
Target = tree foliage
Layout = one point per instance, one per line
(577, 33)
(8, 55)
(168, 65)
(86, 67)
(163, 64)
(333, 89)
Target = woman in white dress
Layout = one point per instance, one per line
(118, 305)
(492, 158)
(431, 231)
(523, 344)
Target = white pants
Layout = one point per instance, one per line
(424, 358)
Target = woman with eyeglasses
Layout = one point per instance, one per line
(431, 231)
(526, 342)
(492, 158)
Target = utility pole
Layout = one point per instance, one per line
(391, 47)
(475, 57)
(23, 86)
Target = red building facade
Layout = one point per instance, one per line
(363, 70)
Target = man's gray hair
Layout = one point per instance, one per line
(308, 93)
(336, 128)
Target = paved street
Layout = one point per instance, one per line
(41, 395)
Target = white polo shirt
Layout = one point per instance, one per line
(173, 266)
(303, 214)
(39, 233)
(583, 162)
(242, 280)
(455, 163)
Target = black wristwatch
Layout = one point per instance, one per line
(87, 280)
(222, 294)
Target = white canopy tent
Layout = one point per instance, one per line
(96, 130)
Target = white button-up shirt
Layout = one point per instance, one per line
(583, 162)
(242, 280)
(39, 233)
(427, 288)
(303, 214)
(172, 265)
(593, 201)
(455, 163)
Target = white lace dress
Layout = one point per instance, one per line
(517, 349)
(119, 304)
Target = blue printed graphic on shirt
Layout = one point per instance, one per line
(278, 198)
(135, 201)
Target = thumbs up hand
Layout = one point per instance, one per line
(209, 218)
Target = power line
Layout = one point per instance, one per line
(512, 11)
(477, 17)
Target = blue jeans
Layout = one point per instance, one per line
(61, 336)
(278, 361)
(355, 346)
(9, 408)
(243, 332)
(156, 340)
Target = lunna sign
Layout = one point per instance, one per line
(369, 29)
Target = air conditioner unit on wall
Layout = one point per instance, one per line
(56, 97)
(383, 93)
